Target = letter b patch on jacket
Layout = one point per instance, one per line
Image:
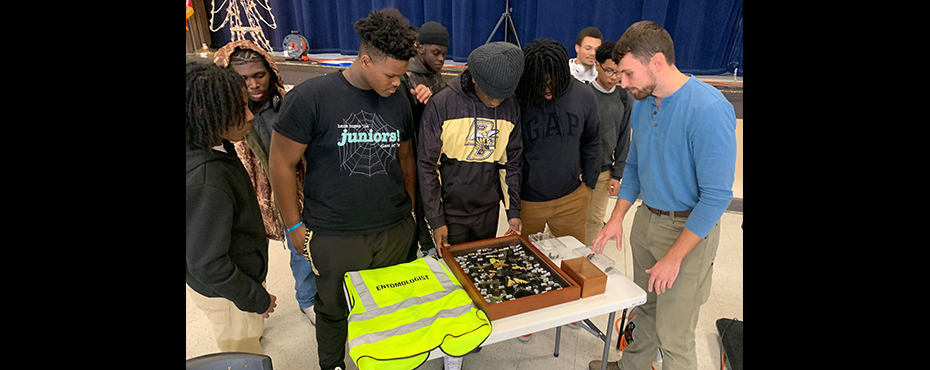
(482, 137)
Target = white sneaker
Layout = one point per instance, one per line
(452, 363)
(574, 325)
(525, 338)
(309, 314)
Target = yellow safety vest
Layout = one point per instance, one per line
(400, 313)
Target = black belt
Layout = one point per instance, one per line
(673, 213)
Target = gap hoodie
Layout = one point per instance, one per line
(227, 252)
(560, 142)
(469, 155)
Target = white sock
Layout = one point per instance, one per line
(452, 363)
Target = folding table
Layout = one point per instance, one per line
(621, 293)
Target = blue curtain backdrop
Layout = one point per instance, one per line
(708, 34)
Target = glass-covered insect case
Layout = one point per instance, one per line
(507, 276)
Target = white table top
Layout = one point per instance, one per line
(620, 293)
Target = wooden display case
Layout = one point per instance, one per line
(592, 280)
(569, 291)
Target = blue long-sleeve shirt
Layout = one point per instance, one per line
(683, 156)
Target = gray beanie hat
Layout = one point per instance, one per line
(496, 68)
(433, 33)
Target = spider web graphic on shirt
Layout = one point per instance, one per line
(370, 149)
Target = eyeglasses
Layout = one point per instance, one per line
(610, 72)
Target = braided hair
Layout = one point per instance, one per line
(215, 103)
(245, 56)
(386, 32)
(543, 58)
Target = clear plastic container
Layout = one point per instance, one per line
(539, 236)
(550, 246)
(602, 262)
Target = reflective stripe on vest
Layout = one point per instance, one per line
(431, 310)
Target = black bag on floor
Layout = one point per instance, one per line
(731, 338)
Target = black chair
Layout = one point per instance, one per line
(227, 360)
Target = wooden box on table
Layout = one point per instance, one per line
(592, 280)
(569, 290)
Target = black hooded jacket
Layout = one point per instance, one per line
(560, 142)
(227, 251)
(469, 155)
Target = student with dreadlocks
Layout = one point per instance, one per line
(266, 89)
(355, 133)
(227, 252)
(560, 142)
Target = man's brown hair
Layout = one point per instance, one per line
(644, 39)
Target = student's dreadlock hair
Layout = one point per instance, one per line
(215, 102)
(386, 32)
(604, 52)
(543, 57)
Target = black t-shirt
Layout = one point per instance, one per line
(262, 122)
(354, 183)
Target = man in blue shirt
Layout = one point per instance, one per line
(682, 161)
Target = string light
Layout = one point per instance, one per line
(250, 8)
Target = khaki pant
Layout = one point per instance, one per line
(565, 216)
(597, 209)
(668, 320)
(235, 330)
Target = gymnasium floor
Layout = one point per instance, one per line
(290, 340)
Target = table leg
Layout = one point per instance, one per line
(558, 337)
(610, 324)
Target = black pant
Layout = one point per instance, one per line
(333, 256)
(423, 239)
(472, 228)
